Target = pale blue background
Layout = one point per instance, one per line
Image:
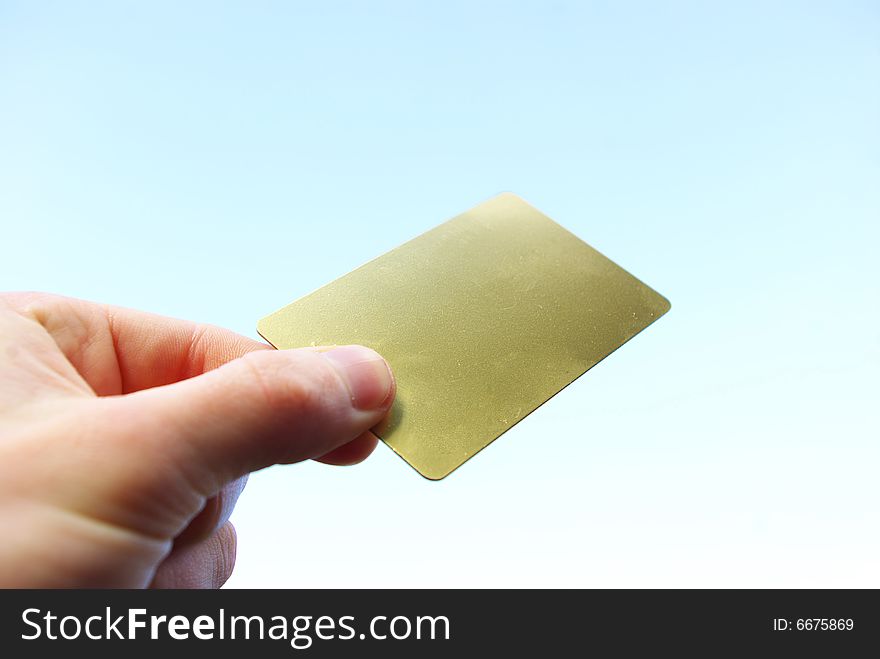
(217, 160)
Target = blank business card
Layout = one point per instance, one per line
(482, 320)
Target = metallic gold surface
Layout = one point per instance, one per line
(482, 319)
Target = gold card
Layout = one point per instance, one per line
(482, 320)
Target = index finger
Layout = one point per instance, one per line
(119, 350)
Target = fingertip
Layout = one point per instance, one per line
(352, 453)
(366, 374)
(227, 543)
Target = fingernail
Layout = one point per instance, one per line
(365, 373)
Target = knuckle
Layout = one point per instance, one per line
(196, 350)
(293, 382)
(29, 302)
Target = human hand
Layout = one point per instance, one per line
(126, 438)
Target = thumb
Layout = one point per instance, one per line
(266, 407)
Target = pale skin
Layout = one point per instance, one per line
(126, 438)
